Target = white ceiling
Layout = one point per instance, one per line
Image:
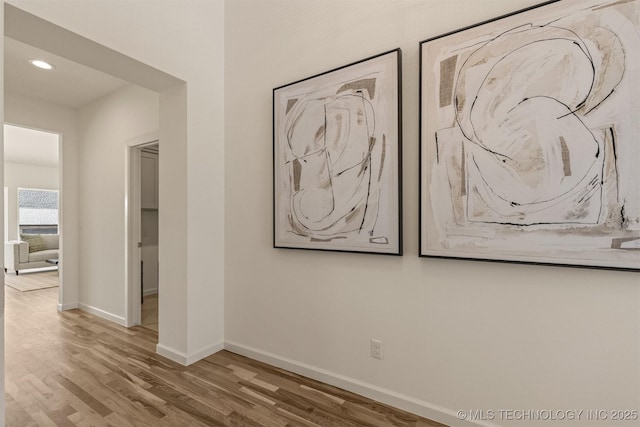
(29, 146)
(69, 84)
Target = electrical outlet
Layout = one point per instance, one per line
(376, 349)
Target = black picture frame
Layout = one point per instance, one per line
(527, 140)
(337, 159)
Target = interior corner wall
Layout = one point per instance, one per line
(457, 334)
(173, 340)
(205, 174)
(104, 128)
(33, 113)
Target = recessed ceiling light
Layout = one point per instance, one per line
(41, 64)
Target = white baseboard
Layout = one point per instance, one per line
(148, 292)
(205, 352)
(407, 403)
(70, 306)
(103, 314)
(171, 354)
(184, 359)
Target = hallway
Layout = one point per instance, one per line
(72, 369)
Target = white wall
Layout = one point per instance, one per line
(18, 175)
(186, 40)
(457, 334)
(104, 128)
(24, 111)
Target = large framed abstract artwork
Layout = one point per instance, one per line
(530, 137)
(337, 159)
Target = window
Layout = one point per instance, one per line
(37, 211)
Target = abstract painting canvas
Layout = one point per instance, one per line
(530, 137)
(337, 159)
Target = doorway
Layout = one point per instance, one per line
(142, 233)
(32, 193)
(149, 161)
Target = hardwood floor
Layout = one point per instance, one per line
(149, 312)
(74, 369)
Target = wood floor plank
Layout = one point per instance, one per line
(83, 395)
(15, 413)
(73, 369)
(60, 417)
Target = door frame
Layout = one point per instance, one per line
(133, 226)
(61, 306)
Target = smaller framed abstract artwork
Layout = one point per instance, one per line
(530, 137)
(337, 159)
